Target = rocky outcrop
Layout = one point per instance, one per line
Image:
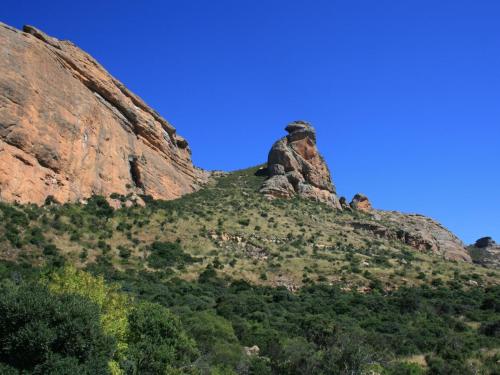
(69, 129)
(420, 232)
(296, 167)
(485, 252)
(361, 202)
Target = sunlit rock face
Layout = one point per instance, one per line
(69, 129)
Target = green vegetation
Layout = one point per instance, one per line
(275, 243)
(55, 320)
(184, 286)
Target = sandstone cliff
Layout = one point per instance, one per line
(296, 167)
(70, 130)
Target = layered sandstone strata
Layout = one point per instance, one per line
(70, 130)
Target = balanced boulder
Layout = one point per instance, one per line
(296, 167)
(361, 202)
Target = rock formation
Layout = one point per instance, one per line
(485, 252)
(361, 202)
(70, 130)
(296, 167)
(421, 233)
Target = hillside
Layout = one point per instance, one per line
(229, 224)
(265, 286)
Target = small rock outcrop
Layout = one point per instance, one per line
(68, 129)
(361, 202)
(252, 351)
(485, 252)
(295, 167)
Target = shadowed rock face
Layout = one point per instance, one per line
(70, 130)
(296, 167)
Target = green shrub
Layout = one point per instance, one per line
(41, 331)
(50, 250)
(157, 341)
(215, 338)
(168, 254)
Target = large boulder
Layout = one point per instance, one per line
(296, 167)
(68, 129)
(361, 202)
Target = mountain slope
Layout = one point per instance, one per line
(230, 226)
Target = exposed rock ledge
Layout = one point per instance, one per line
(420, 232)
(70, 130)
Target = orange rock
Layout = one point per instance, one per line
(70, 130)
(361, 202)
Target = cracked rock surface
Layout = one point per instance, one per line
(69, 129)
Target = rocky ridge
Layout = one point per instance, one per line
(68, 129)
(420, 232)
(295, 167)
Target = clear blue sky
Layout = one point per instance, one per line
(405, 95)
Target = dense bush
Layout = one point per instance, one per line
(157, 341)
(168, 254)
(70, 322)
(318, 330)
(47, 333)
(323, 329)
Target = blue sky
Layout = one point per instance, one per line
(405, 95)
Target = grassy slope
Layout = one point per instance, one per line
(229, 224)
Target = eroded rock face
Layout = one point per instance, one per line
(70, 130)
(420, 232)
(361, 202)
(485, 252)
(296, 167)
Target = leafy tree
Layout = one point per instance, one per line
(113, 305)
(215, 338)
(48, 333)
(168, 254)
(157, 342)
